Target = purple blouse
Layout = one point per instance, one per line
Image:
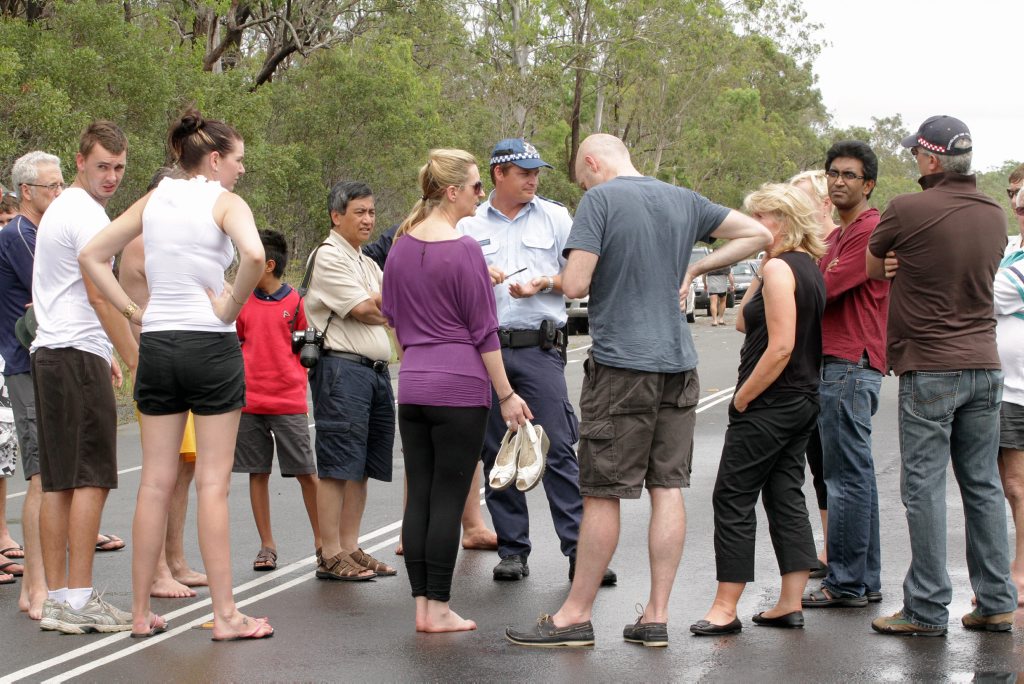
(439, 299)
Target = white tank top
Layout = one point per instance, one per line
(186, 252)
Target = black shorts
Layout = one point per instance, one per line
(187, 370)
(76, 416)
(1011, 426)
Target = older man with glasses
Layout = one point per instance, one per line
(38, 180)
(949, 241)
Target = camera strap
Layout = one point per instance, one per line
(304, 287)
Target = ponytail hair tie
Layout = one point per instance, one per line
(423, 198)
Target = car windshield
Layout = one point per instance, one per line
(742, 269)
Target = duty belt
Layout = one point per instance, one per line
(514, 339)
(378, 366)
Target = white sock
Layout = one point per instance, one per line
(77, 598)
(60, 595)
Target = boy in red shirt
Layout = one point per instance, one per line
(275, 387)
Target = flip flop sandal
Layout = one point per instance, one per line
(16, 573)
(6, 578)
(158, 629)
(254, 634)
(343, 568)
(13, 552)
(820, 598)
(370, 563)
(105, 541)
(266, 560)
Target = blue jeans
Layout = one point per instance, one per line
(944, 415)
(849, 398)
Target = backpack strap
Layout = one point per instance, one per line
(304, 287)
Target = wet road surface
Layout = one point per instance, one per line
(337, 631)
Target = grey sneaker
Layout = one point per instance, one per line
(51, 614)
(95, 616)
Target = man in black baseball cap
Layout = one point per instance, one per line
(949, 240)
(941, 134)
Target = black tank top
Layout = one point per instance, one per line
(801, 374)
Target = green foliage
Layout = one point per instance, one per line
(713, 94)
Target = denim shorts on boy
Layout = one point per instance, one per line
(181, 370)
(257, 435)
(23, 401)
(77, 419)
(636, 430)
(1011, 426)
(354, 412)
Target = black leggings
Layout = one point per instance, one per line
(442, 447)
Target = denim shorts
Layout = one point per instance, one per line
(354, 412)
(636, 430)
(1011, 426)
(182, 370)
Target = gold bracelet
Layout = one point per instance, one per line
(232, 295)
(130, 310)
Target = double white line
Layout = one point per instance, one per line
(703, 405)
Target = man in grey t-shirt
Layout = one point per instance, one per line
(629, 248)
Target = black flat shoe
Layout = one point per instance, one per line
(794, 620)
(705, 628)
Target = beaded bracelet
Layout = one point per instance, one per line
(502, 401)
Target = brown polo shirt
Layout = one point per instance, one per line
(949, 240)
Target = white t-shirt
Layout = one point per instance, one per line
(65, 316)
(1009, 304)
(186, 253)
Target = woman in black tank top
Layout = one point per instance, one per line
(772, 414)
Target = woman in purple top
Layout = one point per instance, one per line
(437, 295)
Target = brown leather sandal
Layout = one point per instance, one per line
(370, 563)
(342, 567)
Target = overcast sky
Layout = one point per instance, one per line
(883, 58)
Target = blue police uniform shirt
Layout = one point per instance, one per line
(17, 255)
(534, 239)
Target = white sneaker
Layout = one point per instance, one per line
(51, 615)
(533, 449)
(95, 616)
(503, 474)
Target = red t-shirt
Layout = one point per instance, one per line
(856, 307)
(275, 381)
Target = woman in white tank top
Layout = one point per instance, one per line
(189, 357)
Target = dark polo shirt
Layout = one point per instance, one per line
(949, 240)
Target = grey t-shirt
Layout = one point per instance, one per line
(643, 230)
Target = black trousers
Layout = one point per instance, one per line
(764, 455)
(441, 446)
(815, 463)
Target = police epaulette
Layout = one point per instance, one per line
(548, 199)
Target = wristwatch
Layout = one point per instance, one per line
(550, 287)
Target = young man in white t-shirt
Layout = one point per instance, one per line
(72, 366)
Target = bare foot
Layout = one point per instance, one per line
(421, 613)
(32, 603)
(480, 540)
(11, 548)
(190, 578)
(775, 611)
(168, 587)
(398, 549)
(446, 620)
(719, 616)
(11, 566)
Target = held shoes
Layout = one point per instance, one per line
(520, 459)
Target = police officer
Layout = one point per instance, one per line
(522, 236)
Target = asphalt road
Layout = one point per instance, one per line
(364, 631)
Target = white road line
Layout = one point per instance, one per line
(191, 608)
(135, 648)
(708, 402)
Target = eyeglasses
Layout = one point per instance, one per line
(476, 187)
(846, 175)
(1012, 193)
(52, 187)
(916, 151)
(1019, 211)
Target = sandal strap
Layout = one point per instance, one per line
(369, 562)
(343, 564)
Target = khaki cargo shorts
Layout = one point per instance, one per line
(636, 430)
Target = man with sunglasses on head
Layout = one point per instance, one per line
(1016, 180)
(853, 360)
(948, 241)
(522, 236)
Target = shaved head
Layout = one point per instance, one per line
(600, 158)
